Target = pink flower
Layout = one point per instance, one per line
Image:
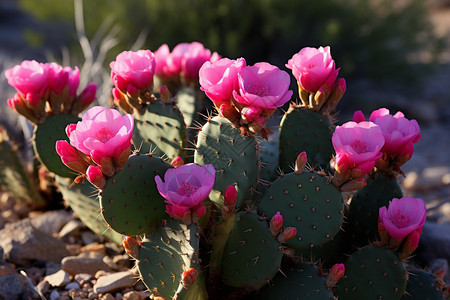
(357, 147)
(403, 216)
(102, 134)
(218, 79)
(186, 186)
(71, 157)
(313, 68)
(399, 133)
(132, 71)
(161, 56)
(64, 79)
(31, 80)
(195, 56)
(263, 85)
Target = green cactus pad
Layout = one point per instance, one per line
(160, 128)
(421, 286)
(252, 256)
(300, 281)
(130, 202)
(232, 155)
(305, 130)
(165, 254)
(373, 273)
(82, 199)
(44, 143)
(186, 102)
(268, 154)
(310, 203)
(14, 178)
(364, 207)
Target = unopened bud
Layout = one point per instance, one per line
(336, 273)
(300, 163)
(179, 212)
(230, 196)
(105, 162)
(198, 212)
(276, 223)
(88, 95)
(287, 234)
(95, 176)
(188, 277)
(410, 245)
(71, 157)
(164, 94)
(177, 161)
(132, 247)
(358, 116)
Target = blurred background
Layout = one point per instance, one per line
(393, 54)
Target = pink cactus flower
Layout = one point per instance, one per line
(132, 71)
(64, 79)
(263, 85)
(185, 187)
(195, 56)
(218, 79)
(399, 133)
(357, 147)
(102, 133)
(313, 68)
(161, 56)
(31, 80)
(71, 157)
(403, 216)
(88, 95)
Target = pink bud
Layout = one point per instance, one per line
(276, 223)
(336, 273)
(287, 234)
(70, 128)
(199, 211)
(71, 157)
(87, 96)
(230, 196)
(105, 162)
(250, 113)
(164, 93)
(19, 106)
(188, 277)
(179, 212)
(177, 161)
(300, 163)
(96, 177)
(410, 245)
(358, 116)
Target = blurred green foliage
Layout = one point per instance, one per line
(369, 38)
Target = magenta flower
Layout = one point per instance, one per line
(218, 79)
(185, 188)
(313, 68)
(195, 56)
(399, 133)
(403, 216)
(31, 80)
(357, 147)
(103, 134)
(132, 71)
(161, 56)
(71, 157)
(64, 80)
(263, 85)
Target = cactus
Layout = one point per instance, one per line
(309, 202)
(373, 273)
(305, 130)
(130, 202)
(422, 285)
(233, 156)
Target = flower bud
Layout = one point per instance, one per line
(230, 196)
(177, 161)
(19, 106)
(105, 162)
(96, 177)
(164, 93)
(336, 273)
(358, 116)
(300, 163)
(276, 223)
(71, 157)
(410, 245)
(188, 277)
(87, 96)
(287, 234)
(132, 247)
(199, 211)
(179, 212)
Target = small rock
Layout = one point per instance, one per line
(23, 243)
(114, 282)
(75, 265)
(72, 227)
(122, 260)
(108, 297)
(58, 279)
(43, 287)
(100, 274)
(83, 278)
(52, 267)
(88, 237)
(135, 295)
(95, 248)
(51, 222)
(92, 296)
(54, 295)
(73, 286)
(11, 286)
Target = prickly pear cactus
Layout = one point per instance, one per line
(298, 281)
(309, 202)
(130, 202)
(373, 273)
(365, 204)
(252, 256)
(163, 257)
(421, 285)
(305, 130)
(83, 199)
(160, 128)
(233, 156)
(44, 140)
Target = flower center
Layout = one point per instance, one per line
(187, 189)
(359, 146)
(259, 89)
(104, 135)
(400, 220)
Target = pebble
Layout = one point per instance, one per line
(75, 265)
(54, 295)
(58, 279)
(115, 281)
(11, 283)
(72, 227)
(73, 286)
(83, 278)
(50, 222)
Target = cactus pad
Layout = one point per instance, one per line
(130, 202)
(44, 142)
(372, 273)
(232, 155)
(421, 286)
(310, 203)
